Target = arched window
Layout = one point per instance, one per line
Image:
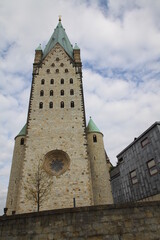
(62, 64)
(66, 70)
(41, 105)
(62, 92)
(51, 92)
(48, 71)
(22, 141)
(42, 81)
(41, 93)
(57, 59)
(57, 70)
(51, 105)
(52, 81)
(62, 104)
(94, 138)
(71, 92)
(52, 64)
(62, 81)
(71, 80)
(72, 104)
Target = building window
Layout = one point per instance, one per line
(51, 105)
(152, 167)
(42, 81)
(72, 104)
(51, 92)
(66, 70)
(94, 138)
(52, 64)
(52, 81)
(57, 70)
(40, 105)
(41, 93)
(62, 104)
(144, 142)
(62, 92)
(62, 81)
(22, 141)
(133, 176)
(62, 64)
(71, 80)
(57, 59)
(71, 92)
(48, 70)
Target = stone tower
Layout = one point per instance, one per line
(55, 135)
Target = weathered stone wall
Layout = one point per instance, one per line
(108, 222)
(57, 128)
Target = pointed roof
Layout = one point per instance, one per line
(59, 36)
(76, 47)
(39, 48)
(92, 127)
(23, 131)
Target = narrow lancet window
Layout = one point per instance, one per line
(72, 104)
(71, 80)
(22, 141)
(42, 81)
(62, 92)
(71, 92)
(62, 104)
(41, 105)
(94, 138)
(51, 92)
(51, 105)
(52, 81)
(62, 81)
(41, 93)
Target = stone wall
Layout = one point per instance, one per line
(106, 222)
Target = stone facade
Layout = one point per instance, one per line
(112, 222)
(56, 137)
(136, 177)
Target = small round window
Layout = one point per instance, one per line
(56, 162)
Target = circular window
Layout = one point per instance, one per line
(56, 162)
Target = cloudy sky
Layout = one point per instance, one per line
(120, 51)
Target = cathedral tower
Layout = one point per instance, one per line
(55, 135)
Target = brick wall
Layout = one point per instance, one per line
(108, 222)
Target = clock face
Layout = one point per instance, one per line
(56, 162)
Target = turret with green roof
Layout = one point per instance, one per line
(23, 131)
(92, 127)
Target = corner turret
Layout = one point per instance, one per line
(99, 165)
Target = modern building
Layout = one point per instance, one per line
(58, 162)
(137, 174)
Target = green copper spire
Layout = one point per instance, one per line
(59, 36)
(76, 47)
(92, 127)
(23, 131)
(39, 48)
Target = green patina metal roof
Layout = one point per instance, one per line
(39, 48)
(92, 126)
(59, 36)
(76, 47)
(23, 131)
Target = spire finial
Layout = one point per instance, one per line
(60, 18)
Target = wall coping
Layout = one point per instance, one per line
(80, 209)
